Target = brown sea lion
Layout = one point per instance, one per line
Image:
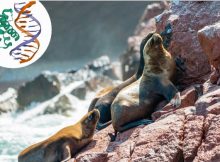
(63, 145)
(104, 100)
(137, 101)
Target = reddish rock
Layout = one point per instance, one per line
(147, 24)
(187, 134)
(209, 87)
(101, 149)
(214, 77)
(209, 38)
(209, 103)
(160, 141)
(193, 131)
(186, 19)
(210, 147)
(188, 98)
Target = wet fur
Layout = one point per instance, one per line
(103, 101)
(138, 100)
(64, 144)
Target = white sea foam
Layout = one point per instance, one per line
(19, 130)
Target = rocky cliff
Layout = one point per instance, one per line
(191, 132)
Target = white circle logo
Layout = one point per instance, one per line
(25, 32)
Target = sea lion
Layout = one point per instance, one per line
(104, 99)
(63, 145)
(137, 101)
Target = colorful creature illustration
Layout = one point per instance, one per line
(6, 30)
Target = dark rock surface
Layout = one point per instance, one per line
(42, 88)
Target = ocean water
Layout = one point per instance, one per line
(20, 130)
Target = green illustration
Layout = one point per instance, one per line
(6, 30)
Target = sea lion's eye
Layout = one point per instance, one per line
(90, 117)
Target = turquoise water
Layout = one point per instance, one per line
(20, 130)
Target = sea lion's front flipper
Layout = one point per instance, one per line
(65, 152)
(169, 91)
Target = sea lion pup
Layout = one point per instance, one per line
(104, 99)
(137, 101)
(64, 144)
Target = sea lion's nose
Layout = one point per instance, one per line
(96, 113)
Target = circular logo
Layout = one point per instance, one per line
(25, 32)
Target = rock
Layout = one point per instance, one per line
(99, 63)
(147, 24)
(208, 103)
(8, 101)
(150, 12)
(48, 84)
(185, 134)
(209, 149)
(193, 129)
(42, 88)
(113, 71)
(209, 38)
(160, 141)
(101, 66)
(80, 91)
(99, 82)
(94, 84)
(63, 106)
(186, 19)
(208, 106)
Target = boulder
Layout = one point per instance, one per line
(8, 101)
(101, 66)
(208, 105)
(99, 82)
(63, 106)
(185, 20)
(209, 38)
(42, 88)
(113, 71)
(147, 24)
(80, 91)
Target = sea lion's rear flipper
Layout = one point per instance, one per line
(135, 124)
(101, 126)
(129, 126)
(65, 152)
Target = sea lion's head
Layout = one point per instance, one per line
(89, 122)
(154, 46)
